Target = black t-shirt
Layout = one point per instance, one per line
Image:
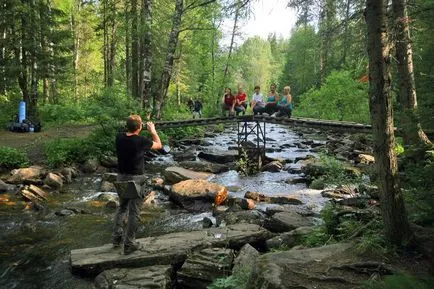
(130, 151)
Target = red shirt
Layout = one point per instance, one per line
(229, 99)
(241, 97)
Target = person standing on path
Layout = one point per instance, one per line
(130, 150)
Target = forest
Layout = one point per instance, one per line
(82, 66)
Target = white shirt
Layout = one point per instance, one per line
(258, 97)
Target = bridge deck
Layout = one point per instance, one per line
(294, 122)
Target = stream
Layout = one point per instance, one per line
(35, 246)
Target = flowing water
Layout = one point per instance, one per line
(35, 246)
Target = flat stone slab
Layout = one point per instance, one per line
(166, 249)
(156, 277)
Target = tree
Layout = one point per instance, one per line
(146, 54)
(411, 128)
(396, 224)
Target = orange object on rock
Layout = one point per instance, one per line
(221, 196)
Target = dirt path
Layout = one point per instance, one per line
(32, 143)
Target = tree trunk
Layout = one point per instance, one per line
(411, 128)
(168, 65)
(76, 52)
(232, 43)
(346, 44)
(135, 71)
(128, 63)
(147, 56)
(396, 225)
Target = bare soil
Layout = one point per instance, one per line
(33, 143)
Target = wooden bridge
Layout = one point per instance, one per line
(293, 122)
(254, 127)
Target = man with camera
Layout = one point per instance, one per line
(130, 150)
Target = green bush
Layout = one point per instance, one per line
(11, 158)
(339, 98)
(335, 172)
(66, 151)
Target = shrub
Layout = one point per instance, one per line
(401, 282)
(339, 98)
(66, 151)
(11, 158)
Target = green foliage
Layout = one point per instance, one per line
(339, 98)
(317, 184)
(11, 158)
(317, 237)
(239, 280)
(66, 151)
(245, 165)
(335, 172)
(401, 282)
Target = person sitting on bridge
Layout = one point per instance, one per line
(130, 150)
(258, 104)
(197, 109)
(227, 103)
(272, 99)
(284, 105)
(240, 104)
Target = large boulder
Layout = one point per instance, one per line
(279, 199)
(241, 217)
(156, 277)
(204, 166)
(53, 181)
(168, 249)
(273, 167)
(90, 166)
(30, 175)
(245, 260)
(175, 175)
(109, 161)
(6, 187)
(109, 177)
(221, 157)
(201, 268)
(289, 239)
(107, 187)
(286, 221)
(335, 266)
(196, 195)
(185, 155)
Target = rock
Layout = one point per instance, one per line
(54, 181)
(365, 159)
(150, 199)
(156, 277)
(247, 204)
(109, 161)
(196, 195)
(313, 168)
(186, 155)
(221, 157)
(6, 187)
(28, 195)
(204, 166)
(283, 199)
(353, 172)
(112, 204)
(200, 269)
(245, 260)
(286, 221)
(105, 197)
(341, 192)
(64, 213)
(30, 175)
(66, 174)
(273, 167)
(38, 191)
(157, 183)
(175, 175)
(241, 217)
(206, 223)
(107, 187)
(256, 196)
(325, 267)
(109, 177)
(294, 171)
(289, 239)
(166, 249)
(296, 180)
(90, 166)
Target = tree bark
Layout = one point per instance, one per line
(411, 128)
(232, 43)
(145, 94)
(346, 44)
(168, 65)
(135, 71)
(128, 62)
(396, 225)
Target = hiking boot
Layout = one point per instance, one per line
(117, 241)
(128, 249)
